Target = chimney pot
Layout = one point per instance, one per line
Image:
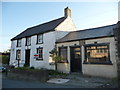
(67, 12)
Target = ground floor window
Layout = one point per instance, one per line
(40, 54)
(63, 53)
(97, 54)
(18, 54)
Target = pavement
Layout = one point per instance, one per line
(74, 80)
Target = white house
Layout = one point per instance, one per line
(40, 40)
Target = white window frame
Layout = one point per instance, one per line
(40, 53)
(19, 42)
(39, 38)
(28, 41)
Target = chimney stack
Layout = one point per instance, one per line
(67, 12)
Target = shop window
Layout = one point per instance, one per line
(97, 54)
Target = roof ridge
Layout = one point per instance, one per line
(52, 24)
(46, 22)
(93, 28)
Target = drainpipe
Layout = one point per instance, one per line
(18, 62)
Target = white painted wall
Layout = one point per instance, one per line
(66, 25)
(13, 52)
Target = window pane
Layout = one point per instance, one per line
(19, 42)
(28, 42)
(40, 38)
(63, 53)
(40, 53)
(18, 54)
(97, 54)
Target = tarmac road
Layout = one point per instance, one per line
(10, 83)
(76, 81)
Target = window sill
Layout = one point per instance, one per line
(39, 59)
(62, 61)
(28, 45)
(40, 43)
(98, 63)
(18, 46)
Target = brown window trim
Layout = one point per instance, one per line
(63, 61)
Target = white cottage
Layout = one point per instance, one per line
(40, 40)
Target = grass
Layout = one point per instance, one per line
(27, 69)
(50, 72)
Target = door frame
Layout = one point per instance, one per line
(76, 46)
(25, 56)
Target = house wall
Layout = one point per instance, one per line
(93, 69)
(48, 45)
(66, 25)
(102, 70)
(13, 52)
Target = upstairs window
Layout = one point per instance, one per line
(39, 38)
(40, 53)
(18, 54)
(28, 41)
(19, 43)
(97, 54)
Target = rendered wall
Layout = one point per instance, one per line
(99, 69)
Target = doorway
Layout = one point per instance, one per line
(75, 58)
(27, 57)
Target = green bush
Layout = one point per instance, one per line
(5, 59)
(54, 72)
(27, 69)
(32, 67)
(26, 65)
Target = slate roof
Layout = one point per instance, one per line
(92, 33)
(39, 29)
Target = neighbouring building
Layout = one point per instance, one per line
(90, 51)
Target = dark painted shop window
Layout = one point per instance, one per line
(97, 54)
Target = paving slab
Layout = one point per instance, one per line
(57, 80)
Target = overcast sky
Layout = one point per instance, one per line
(18, 16)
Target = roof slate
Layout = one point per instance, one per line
(39, 29)
(104, 31)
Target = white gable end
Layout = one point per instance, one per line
(66, 25)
